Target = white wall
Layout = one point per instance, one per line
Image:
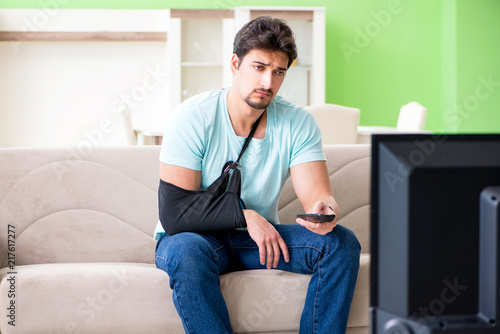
(65, 93)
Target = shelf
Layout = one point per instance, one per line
(201, 13)
(200, 64)
(283, 14)
(195, 81)
(84, 36)
(201, 42)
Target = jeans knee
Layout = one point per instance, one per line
(348, 243)
(183, 250)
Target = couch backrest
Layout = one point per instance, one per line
(81, 205)
(100, 204)
(349, 170)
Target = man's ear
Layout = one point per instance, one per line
(235, 62)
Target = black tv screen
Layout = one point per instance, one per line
(430, 270)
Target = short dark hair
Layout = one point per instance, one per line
(265, 33)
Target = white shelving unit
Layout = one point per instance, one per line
(305, 82)
(200, 48)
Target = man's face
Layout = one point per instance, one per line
(258, 76)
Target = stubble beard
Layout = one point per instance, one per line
(259, 103)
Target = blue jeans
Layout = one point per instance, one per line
(195, 261)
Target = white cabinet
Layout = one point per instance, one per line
(305, 81)
(200, 47)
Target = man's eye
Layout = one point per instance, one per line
(259, 67)
(280, 73)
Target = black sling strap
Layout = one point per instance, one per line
(235, 185)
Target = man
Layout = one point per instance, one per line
(208, 130)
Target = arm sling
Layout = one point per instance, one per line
(218, 208)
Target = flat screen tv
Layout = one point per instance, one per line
(435, 234)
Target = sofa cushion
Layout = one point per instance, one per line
(136, 298)
(100, 206)
(91, 298)
(80, 232)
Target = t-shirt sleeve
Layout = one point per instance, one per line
(183, 139)
(306, 139)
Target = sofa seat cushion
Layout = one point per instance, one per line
(272, 300)
(136, 298)
(90, 298)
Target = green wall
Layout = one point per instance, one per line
(382, 54)
(472, 63)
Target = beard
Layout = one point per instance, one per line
(258, 102)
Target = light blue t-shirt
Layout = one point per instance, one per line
(200, 136)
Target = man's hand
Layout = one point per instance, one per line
(269, 241)
(319, 228)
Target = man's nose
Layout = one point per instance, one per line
(266, 80)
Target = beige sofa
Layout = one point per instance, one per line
(77, 252)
